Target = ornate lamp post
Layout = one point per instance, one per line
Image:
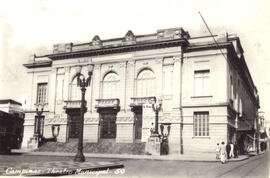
(83, 83)
(39, 111)
(156, 108)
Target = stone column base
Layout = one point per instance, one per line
(152, 146)
(33, 143)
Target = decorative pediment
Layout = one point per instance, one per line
(129, 36)
(96, 41)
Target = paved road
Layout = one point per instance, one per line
(257, 166)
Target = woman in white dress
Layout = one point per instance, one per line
(223, 154)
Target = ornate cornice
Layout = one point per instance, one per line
(47, 63)
(196, 47)
(120, 48)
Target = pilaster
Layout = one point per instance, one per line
(88, 94)
(96, 85)
(122, 87)
(125, 128)
(52, 87)
(176, 87)
(66, 83)
(130, 83)
(159, 76)
(91, 129)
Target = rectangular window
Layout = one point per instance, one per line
(41, 93)
(201, 83)
(201, 124)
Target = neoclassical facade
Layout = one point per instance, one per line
(206, 90)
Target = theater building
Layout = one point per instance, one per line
(206, 91)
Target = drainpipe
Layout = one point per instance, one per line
(237, 113)
(180, 102)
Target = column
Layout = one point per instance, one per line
(125, 129)
(91, 129)
(159, 77)
(51, 92)
(130, 92)
(28, 130)
(122, 87)
(66, 83)
(125, 120)
(96, 85)
(176, 83)
(174, 138)
(91, 118)
(130, 83)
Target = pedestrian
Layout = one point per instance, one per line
(218, 151)
(231, 150)
(228, 149)
(223, 154)
(236, 149)
(152, 129)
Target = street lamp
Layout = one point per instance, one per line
(39, 111)
(83, 83)
(156, 108)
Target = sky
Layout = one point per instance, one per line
(33, 26)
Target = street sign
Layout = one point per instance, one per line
(148, 121)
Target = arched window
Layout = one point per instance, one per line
(75, 91)
(145, 83)
(110, 84)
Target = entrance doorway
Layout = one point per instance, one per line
(108, 124)
(138, 122)
(39, 125)
(74, 126)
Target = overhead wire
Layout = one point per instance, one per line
(212, 36)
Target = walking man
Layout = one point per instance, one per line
(232, 151)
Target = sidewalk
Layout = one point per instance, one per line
(255, 153)
(57, 167)
(200, 157)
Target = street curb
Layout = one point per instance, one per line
(134, 157)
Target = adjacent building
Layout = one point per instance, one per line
(205, 87)
(11, 125)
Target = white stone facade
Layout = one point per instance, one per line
(173, 58)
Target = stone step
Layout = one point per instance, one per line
(100, 147)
